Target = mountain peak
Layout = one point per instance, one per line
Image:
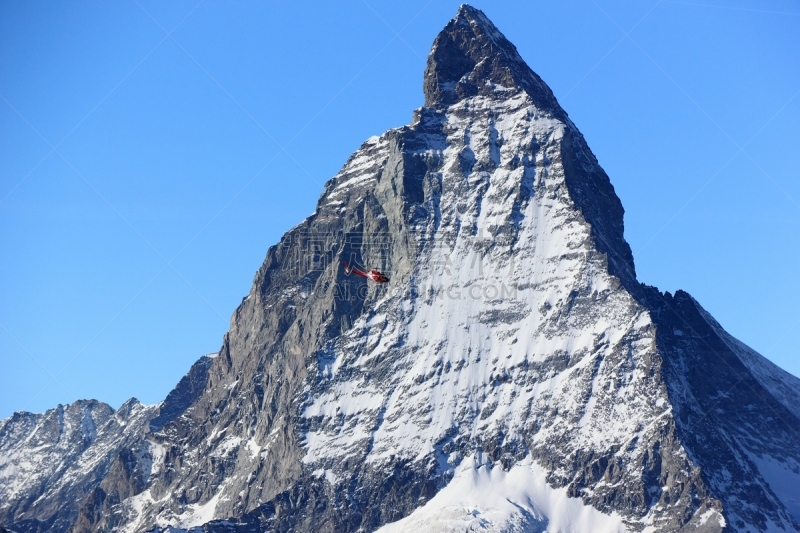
(470, 56)
(512, 375)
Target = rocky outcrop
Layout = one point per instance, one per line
(64, 470)
(185, 393)
(49, 462)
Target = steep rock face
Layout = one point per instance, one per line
(736, 415)
(471, 57)
(513, 333)
(135, 463)
(185, 393)
(512, 376)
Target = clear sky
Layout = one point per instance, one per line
(152, 152)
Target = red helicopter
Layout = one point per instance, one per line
(373, 274)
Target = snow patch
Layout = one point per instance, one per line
(483, 498)
(199, 514)
(782, 478)
(227, 445)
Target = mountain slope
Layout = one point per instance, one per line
(512, 376)
(48, 461)
(63, 469)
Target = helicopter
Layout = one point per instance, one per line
(372, 274)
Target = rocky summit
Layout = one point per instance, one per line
(512, 375)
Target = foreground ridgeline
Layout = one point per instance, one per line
(503, 371)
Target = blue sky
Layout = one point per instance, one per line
(153, 151)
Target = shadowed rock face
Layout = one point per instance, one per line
(513, 337)
(185, 393)
(471, 57)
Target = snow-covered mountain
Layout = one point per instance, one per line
(47, 460)
(513, 375)
(72, 460)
